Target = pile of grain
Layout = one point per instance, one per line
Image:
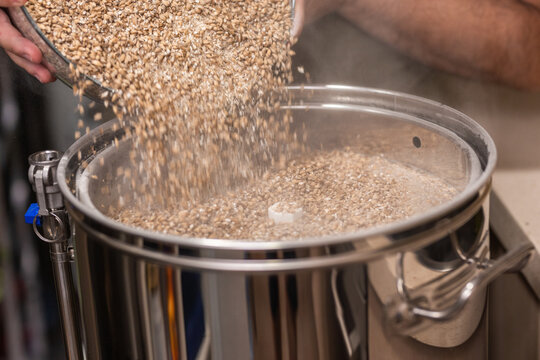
(338, 192)
(198, 80)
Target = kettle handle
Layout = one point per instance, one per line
(409, 314)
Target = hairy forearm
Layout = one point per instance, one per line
(488, 39)
(534, 3)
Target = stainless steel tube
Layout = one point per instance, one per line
(55, 231)
(67, 301)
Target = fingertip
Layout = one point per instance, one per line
(32, 53)
(39, 71)
(298, 20)
(47, 77)
(43, 75)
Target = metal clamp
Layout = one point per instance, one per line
(409, 313)
(67, 256)
(60, 226)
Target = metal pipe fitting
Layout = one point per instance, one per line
(55, 231)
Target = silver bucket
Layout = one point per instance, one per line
(147, 295)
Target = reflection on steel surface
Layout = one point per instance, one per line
(152, 296)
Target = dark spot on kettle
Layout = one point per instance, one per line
(416, 141)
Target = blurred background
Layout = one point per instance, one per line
(29, 312)
(33, 117)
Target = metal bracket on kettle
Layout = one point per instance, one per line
(411, 311)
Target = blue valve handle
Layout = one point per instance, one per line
(31, 213)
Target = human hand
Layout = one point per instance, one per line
(306, 11)
(22, 51)
(535, 3)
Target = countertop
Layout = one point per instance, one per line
(515, 214)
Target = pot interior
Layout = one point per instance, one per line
(423, 139)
